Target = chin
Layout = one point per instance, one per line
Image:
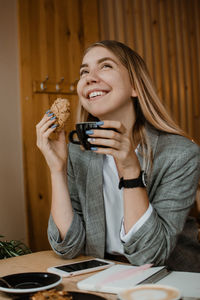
(99, 115)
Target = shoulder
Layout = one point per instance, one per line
(177, 146)
(176, 161)
(172, 146)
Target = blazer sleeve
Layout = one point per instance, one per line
(73, 243)
(172, 191)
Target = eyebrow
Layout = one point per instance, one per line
(100, 61)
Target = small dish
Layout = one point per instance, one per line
(23, 283)
(150, 291)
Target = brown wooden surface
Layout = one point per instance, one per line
(39, 262)
(52, 37)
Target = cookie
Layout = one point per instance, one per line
(61, 109)
(52, 294)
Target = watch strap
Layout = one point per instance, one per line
(133, 183)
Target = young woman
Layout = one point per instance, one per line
(130, 199)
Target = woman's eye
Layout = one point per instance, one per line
(82, 72)
(105, 66)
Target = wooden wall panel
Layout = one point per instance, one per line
(173, 96)
(194, 24)
(137, 15)
(180, 66)
(52, 37)
(165, 70)
(147, 35)
(166, 33)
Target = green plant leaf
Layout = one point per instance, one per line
(12, 248)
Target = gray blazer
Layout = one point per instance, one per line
(172, 186)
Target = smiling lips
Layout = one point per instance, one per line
(94, 94)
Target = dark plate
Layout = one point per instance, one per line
(30, 282)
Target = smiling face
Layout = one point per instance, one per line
(104, 88)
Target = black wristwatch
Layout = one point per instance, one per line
(141, 181)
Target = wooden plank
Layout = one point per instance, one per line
(42, 41)
(90, 22)
(180, 64)
(164, 44)
(128, 21)
(111, 19)
(103, 20)
(77, 40)
(195, 16)
(187, 64)
(49, 23)
(147, 33)
(138, 27)
(119, 16)
(172, 60)
(157, 62)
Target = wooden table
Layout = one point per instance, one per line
(39, 262)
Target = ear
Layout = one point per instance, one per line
(134, 93)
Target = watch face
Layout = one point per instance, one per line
(144, 178)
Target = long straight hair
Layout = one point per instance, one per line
(148, 107)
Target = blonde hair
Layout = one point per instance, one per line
(148, 107)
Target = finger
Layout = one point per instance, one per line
(48, 123)
(113, 124)
(108, 134)
(106, 151)
(43, 135)
(44, 119)
(105, 143)
(51, 129)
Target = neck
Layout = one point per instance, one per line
(125, 115)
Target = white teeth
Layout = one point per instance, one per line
(96, 93)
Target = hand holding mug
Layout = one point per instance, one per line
(112, 138)
(83, 132)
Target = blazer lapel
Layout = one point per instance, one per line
(95, 218)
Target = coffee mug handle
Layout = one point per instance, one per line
(71, 134)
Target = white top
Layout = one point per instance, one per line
(113, 202)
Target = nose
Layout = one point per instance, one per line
(92, 77)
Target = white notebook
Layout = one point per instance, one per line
(121, 277)
(117, 278)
